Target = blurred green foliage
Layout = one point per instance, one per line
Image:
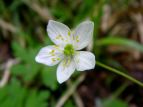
(114, 103)
(15, 95)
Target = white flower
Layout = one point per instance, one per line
(66, 49)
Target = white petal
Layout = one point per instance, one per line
(83, 34)
(84, 60)
(65, 70)
(59, 33)
(50, 55)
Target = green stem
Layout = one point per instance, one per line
(120, 90)
(119, 73)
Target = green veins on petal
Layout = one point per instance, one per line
(69, 50)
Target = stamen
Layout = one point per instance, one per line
(69, 33)
(77, 39)
(53, 59)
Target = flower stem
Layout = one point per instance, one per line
(119, 73)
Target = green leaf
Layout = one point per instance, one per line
(27, 55)
(16, 95)
(69, 103)
(49, 77)
(114, 103)
(120, 41)
(28, 68)
(26, 71)
(35, 99)
(60, 12)
(19, 51)
(12, 95)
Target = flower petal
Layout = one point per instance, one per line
(59, 33)
(84, 60)
(65, 70)
(50, 55)
(83, 34)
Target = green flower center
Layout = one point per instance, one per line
(69, 50)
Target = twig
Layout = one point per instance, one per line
(138, 18)
(76, 96)
(70, 91)
(6, 74)
(7, 26)
(42, 11)
(106, 17)
(78, 100)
